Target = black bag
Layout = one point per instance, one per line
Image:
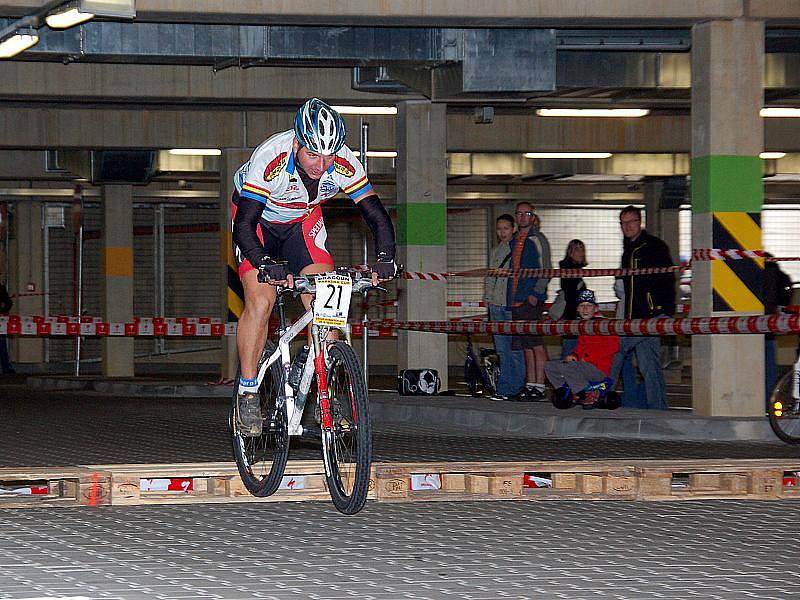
(418, 382)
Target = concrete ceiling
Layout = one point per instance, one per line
(443, 13)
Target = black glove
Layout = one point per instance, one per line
(270, 270)
(385, 268)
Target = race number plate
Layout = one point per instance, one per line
(332, 302)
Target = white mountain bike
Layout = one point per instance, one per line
(343, 410)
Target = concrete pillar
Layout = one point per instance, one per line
(422, 230)
(660, 221)
(231, 286)
(117, 299)
(727, 197)
(26, 276)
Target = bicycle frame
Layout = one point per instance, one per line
(316, 362)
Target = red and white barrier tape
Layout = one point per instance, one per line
(698, 254)
(38, 326)
(664, 326)
(725, 254)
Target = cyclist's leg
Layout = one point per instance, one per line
(306, 249)
(251, 334)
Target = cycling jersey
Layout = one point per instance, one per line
(271, 177)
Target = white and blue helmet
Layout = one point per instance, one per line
(319, 128)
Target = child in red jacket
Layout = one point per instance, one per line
(585, 372)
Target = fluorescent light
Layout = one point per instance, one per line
(771, 155)
(69, 16)
(567, 154)
(18, 42)
(365, 110)
(592, 112)
(196, 151)
(778, 111)
(378, 153)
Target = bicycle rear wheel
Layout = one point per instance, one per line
(348, 447)
(472, 377)
(261, 460)
(784, 411)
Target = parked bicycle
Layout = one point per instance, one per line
(481, 371)
(284, 384)
(784, 406)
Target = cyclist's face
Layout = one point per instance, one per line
(505, 230)
(312, 163)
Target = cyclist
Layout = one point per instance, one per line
(278, 228)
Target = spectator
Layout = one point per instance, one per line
(646, 296)
(633, 395)
(574, 259)
(584, 374)
(5, 307)
(777, 294)
(527, 295)
(512, 362)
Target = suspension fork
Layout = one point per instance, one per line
(320, 366)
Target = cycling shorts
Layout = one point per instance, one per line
(300, 244)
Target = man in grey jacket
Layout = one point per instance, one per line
(512, 362)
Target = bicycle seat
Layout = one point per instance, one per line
(484, 352)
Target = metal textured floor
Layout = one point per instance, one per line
(40, 428)
(484, 550)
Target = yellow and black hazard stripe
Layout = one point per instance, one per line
(235, 291)
(738, 284)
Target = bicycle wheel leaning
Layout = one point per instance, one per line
(348, 447)
(261, 460)
(784, 410)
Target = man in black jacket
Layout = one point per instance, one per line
(646, 296)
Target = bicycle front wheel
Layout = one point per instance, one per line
(348, 446)
(261, 460)
(784, 411)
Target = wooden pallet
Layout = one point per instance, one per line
(207, 483)
(601, 480)
(65, 486)
(757, 479)
(648, 480)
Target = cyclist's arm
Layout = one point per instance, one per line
(245, 226)
(379, 222)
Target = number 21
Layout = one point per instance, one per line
(333, 289)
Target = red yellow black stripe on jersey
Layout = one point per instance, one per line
(254, 192)
(358, 188)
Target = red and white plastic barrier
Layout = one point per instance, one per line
(784, 324)
(698, 254)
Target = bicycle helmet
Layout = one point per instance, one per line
(319, 128)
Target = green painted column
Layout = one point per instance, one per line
(117, 265)
(422, 229)
(727, 196)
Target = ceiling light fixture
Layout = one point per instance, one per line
(592, 112)
(195, 151)
(67, 16)
(378, 153)
(567, 155)
(17, 42)
(777, 111)
(771, 155)
(365, 110)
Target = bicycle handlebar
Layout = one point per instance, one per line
(306, 284)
